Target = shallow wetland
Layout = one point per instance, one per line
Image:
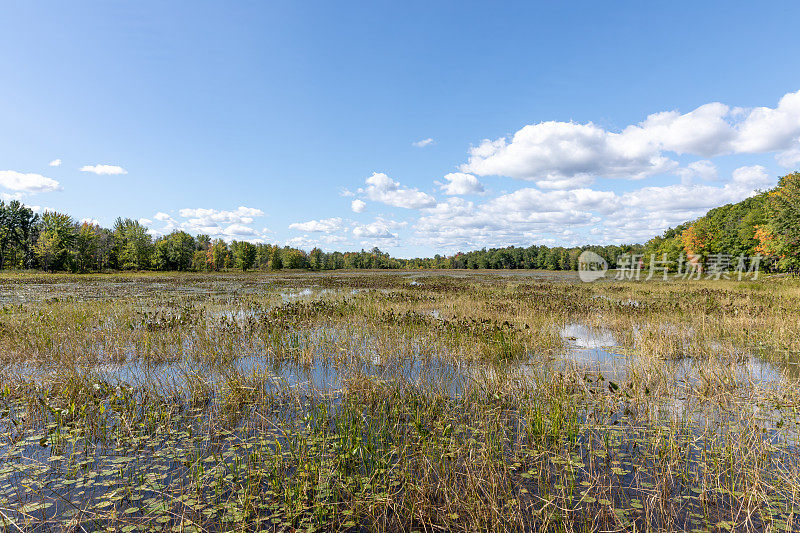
(397, 401)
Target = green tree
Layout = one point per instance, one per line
(203, 242)
(133, 244)
(174, 251)
(87, 245)
(18, 225)
(276, 262)
(218, 254)
(200, 261)
(245, 253)
(316, 259)
(296, 259)
(57, 235)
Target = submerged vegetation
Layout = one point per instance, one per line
(397, 401)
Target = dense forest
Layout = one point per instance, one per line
(767, 224)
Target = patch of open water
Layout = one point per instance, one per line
(598, 349)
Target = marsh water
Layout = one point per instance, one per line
(157, 402)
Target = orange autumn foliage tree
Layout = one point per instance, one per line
(696, 239)
(768, 243)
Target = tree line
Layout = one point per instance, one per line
(767, 224)
(55, 242)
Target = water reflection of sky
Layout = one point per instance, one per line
(597, 349)
(590, 347)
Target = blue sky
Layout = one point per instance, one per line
(304, 122)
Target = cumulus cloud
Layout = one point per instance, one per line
(767, 130)
(224, 224)
(104, 170)
(789, 158)
(55, 163)
(531, 215)
(461, 183)
(358, 206)
(19, 181)
(214, 217)
(751, 177)
(90, 221)
(326, 225)
(382, 188)
(534, 202)
(326, 242)
(378, 231)
(567, 154)
(703, 169)
(374, 230)
(239, 230)
(423, 143)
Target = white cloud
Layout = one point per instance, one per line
(145, 221)
(326, 242)
(751, 177)
(577, 216)
(214, 217)
(239, 230)
(683, 198)
(767, 130)
(423, 143)
(378, 231)
(789, 158)
(703, 169)
(18, 181)
(358, 206)
(706, 131)
(381, 188)
(90, 221)
(374, 230)
(55, 163)
(234, 224)
(104, 170)
(565, 154)
(461, 183)
(327, 225)
(535, 201)
(7, 197)
(554, 183)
